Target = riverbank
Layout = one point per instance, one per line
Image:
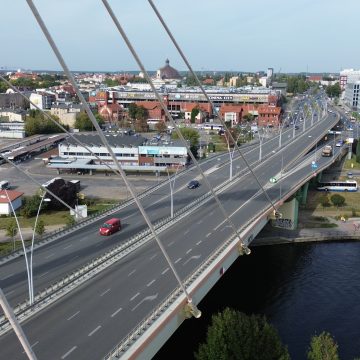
(328, 229)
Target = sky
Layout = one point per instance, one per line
(215, 35)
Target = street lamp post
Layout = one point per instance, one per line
(172, 186)
(32, 248)
(231, 154)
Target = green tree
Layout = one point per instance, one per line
(40, 228)
(110, 82)
(141, 113)
(189, 134)
(161, 127)
(194, 113)
(11, 230)
(324, 201)
(70, 220)
(323, 347)
(83, 122)
(237, 336)
(333, 90)
(358, 151)
(337, 200)
(30, 206)
(141, 125)
(132, 108)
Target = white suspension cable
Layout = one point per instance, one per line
(210, 101)
(105, 142)
(168, 115)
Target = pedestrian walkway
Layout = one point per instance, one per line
(27, 233)
(345, 230)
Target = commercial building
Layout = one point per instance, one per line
(348, 76)
(134, 153)
(351, 96)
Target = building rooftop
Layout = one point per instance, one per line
(115, 140)
(11, 195)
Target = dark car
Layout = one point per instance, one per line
(193, 184)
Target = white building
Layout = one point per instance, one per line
(8, 198)
(66, 113)
(270, 72)
(351, 97)
(43, 100)
(133, 153)
(348, 76)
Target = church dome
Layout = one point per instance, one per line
(168, 72)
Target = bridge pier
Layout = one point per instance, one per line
(290, 215)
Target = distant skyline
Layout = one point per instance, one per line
(230, 35)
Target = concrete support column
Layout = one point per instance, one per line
(290, 215)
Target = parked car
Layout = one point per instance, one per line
(193, 184)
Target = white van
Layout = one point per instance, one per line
(4, 185)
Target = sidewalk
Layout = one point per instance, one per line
(345, 230)
(27, 233)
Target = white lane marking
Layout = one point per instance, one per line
(199, 222)
(176, 261)
(151, 282)
(170, 243)
(73, 315)
(94, 331)
(195, 257)
(106, 291)
(208, 235)
(135, 296)
(154, 256)
(66, 247)
(199, 242)
(186, 232)
(165, 271)
(130, 273)
(116, 312)
(10, 292)
(43, 274)
(190, 250)
(49, 256)
(69, 352)
(148, 298)
(6, 277)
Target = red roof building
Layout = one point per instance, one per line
(10, 199)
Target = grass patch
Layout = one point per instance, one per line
(329, 225)
(52, 217)
(348, 162)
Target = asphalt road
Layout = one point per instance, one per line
(122, 289)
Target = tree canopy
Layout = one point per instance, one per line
(323, 347)
(83, 122)
(189, 134)
(337, 200)
(333, 90)
(235, 335)
(36, 123)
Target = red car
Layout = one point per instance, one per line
(110, 226)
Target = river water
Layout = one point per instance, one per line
(303, 289)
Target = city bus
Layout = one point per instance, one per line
(348, 185)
